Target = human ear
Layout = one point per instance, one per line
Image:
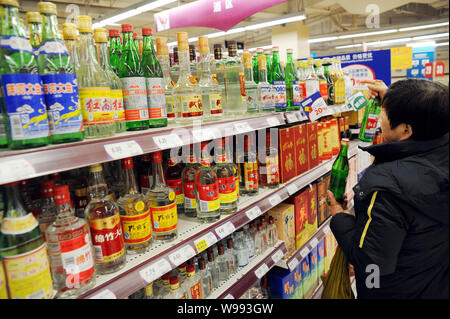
(406, 132)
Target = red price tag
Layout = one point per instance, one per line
(429, 70)
(439, 69)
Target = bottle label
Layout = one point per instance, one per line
(227, 190)
(251, 99)
(135, 99)
(136, 228)
(242, 256)
(156, 98)
(15, 43)
(208, 196)
(107, 238)
(189, 196)
(53, 47)
(96, 106)
(302, 86)
(63, 107)
(311, 87)
(19, 225)
(251, 175)
(271, 170)
(191, 105)
(371, 126)
(28, 275)
(117, 105)
(215, 101)
(164, 218)
(25, 106)
(280, 96)
(331, 94)
(195, 291)
(242, 85)
(170, 109)
(323, 89)
(297, 93)
(175, 184)
(3, 289)
(267, 98)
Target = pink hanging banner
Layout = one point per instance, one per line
(218, 14)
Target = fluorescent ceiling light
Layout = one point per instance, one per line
(421, 44)
(366, 34)
(376, 43)
(349, 46)
(322, 39)
(263, 47)
(431, 36)
(427, 26)
(441, 44)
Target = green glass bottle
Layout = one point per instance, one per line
(156, 97)
(330, 84)
(22, 102)
(259, 52)
(339, 173)
(370, 120)
(115, 49)
(60, 82)
(268, 54)
(35, 27)
(292, 85)
(278, 82)
(131, 73)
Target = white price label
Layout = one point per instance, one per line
(168, 141)
(205, 241)
(318, 109)
(226, 229)
(123, 149)
(261, 271)
(326, 229)
(277, 256)
(242, 127)
(104, 294)
(229, 296)
(181, 255)
(304, 252)
(253, 212)
(313, 243)
(291, 117)
(274, 200)
(273, 121)
(155, 270)
(293, 263)
(205, 134)
(292, 188)
(16, 170)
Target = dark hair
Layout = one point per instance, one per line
(423, 104)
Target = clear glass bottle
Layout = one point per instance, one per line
(101, 41)
(225, 171)
(301, 79)
(188, 181)
(269, 169)
(193, 62)
(265, 90)
(162, 51)
(249, 241)
(35, 28)
(48, 207)
(95, 93)
(248, 168)
(251, 88)
(341, 81)
(323, 85)
(292, 84)
(207, 189)
(312, 82)
(205, 276)
(213, 269)
(103, 217)
(234, 83)
(211, 91)
(231, 256)
(70, 39)
(164, 289)
(174, 180)
(69, 249)
(260, 240)
(115, 50)
(176, 292)
(348, 83)
(193, 284)
(222, 262)
(219, 66)
(241, 248)
(175, 69)
(134, 213)
(161, 199)
(272, 232)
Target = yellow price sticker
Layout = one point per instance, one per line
(201, 245)
(172, 196)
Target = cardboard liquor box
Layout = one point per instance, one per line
(346, 123)
(322, 207)
(320, 142)
(281, 283)
(312, 209)
(306, 277)
(300, 201)
(313, 152)
(341, 123)
(327, 140)
(298, 289)
(287, 155)
(314, 268)
(301, 149)
(327, 179)
(334, 134)
(284, 216)
(321, 258)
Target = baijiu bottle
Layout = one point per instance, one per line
(251, 88)
(370, 120)
(278, 82)
(35, 28)
(265, 90)
(71, 40)
(234, 83)
(188, 182)
(225, 172)
(115, 49)
(268, 55)
(162, 51)
(292, 84)
(175, 68)
(339, 173)
(220, 71)
(60, 81)
(259, 52)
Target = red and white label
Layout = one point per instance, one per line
(439, 69)
(428, 70)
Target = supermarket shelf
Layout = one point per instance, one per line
(25, 164)
(299, 116)
(247, 276)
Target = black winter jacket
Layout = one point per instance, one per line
(401, 222)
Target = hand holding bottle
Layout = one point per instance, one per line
(375, 87)
(334, 207)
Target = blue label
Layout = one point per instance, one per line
(15, 43)
(63, 107)
(280, 97)
(25, 105)
(53, 47)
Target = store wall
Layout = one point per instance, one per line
(292, 36)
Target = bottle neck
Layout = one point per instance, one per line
(130, 181)
(165, 66)
(248, 71)
(205, 68)
(148, 44)
(98, 188)
(289, 60)
(72, 48)
(185, 66)
(10, 24)
(102, 55)
(158, 175)
(49, 27)
(14, 205)
(87, 52)
(35, 34)
(344, 149)
(262, 75)
(64, 211)
(128, 42)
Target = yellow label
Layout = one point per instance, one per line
(191, 105)
(164, 218)
(137, 228)
(148, 290)
(228, 198)
(179, 199)
(117, 105)
(215, 101)
(19, 225)
(201, 245)
(172, 196)
(169, 104)
(96, 105)
(29, 275)
(3, 290)
(139, 206)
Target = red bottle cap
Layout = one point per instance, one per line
(147, 31)
(271, 220)
(114, 33)
(166, 276)
(183, 265)
(174, 280)
(190, 268)
(260, 227)
(127, 28)
(127, 163)
(47, 188)
(135, 36)
(157, 157)
(61, 194)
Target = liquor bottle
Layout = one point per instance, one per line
(181, 272)
(193, 62)
(103, 217)
(161, 199)
(272, 232)
(312, 82)
(115, 50)
(48, 207)
(95, 93)
(241, 248)
(249, 241)
(131, 72)
(222, 263)
(323, 85)
(292, 85)
(81, 200)
(35, 28)
(148, 291)
(220, 71)
(162, 286)
(187, 93)
(211, 91)
(175, 291)
(269, 169)
(24, 112)
(69, 249)
(175, 69)
(260, 240)
(234, 83)
(278, 82)
(145, 173)
(341, 81)
(134, 213)
(188, 182)
(266, 94)
(207, 189)
(251, 88)
(248, 168)
(70, 40)
(225, 172)
(193, 284)
(156, 95)
(327, 68)
(231, 256)
(174, 181)
(259, 52)
(301, 79)
(213, 269)
(268, 55)
(23, 250)
(205, 276)
(339, 173)
(136, 43)
(370, 120)
(162, 51)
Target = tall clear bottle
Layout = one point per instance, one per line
(220, 71)
(292, 84)
(301, 79)
(35, 28)
(234, 83)
(225, 172)
(248, 168)
(95, 93)
(231, 256)
(213, 269)
(70, 39)
(205, 276)
(269, 169)
(323, 84)
(193, 284)
(188, 180)
(162, 51)
(251, 88)
(131, 73)
(341, 81)
(211, 91)
(312, 81)
(101, 41)
(156, 95)
(48, 207)
(272, 232)
(187, 93)
(175, 68)
(266, 94)
(115, 50)
(193, 62)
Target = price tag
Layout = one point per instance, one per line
(229, 296)
(123, 149)
(291, 117)
(315, 105)
(293, 263)
(274, 200)
(356, 101)
(205, 134)
(253, 212)
(104, 294)
(313, 242)
(205, 241)
(16, 170)
(292, 188)
(326, 229)
(242, 127)
(226, 229)
(181, 255)
(277, 256)
(168, 141)
(155, 270)
(273, 121)
(261, 271)
(304, 252)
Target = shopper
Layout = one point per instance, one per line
(398, 239)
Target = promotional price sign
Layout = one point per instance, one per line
(428, 70)
(315, 106)
(421, 56)
(439, 69)
(356, 101)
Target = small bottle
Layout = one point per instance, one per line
(193, 284)
(193, 62)
(249, 241)
(35, 28)
(174, 181)
(188, 181)
(207, 189)
(69, 249)
(269, 169)
(219, 66)
(292, 84)
(115, 50)
(205, 276)
(213, 269)
(148, 291)
(272, 232)
(163, 56)
(241, 248)
(225, 172)
(248, 168)
(222, 262)
(103, 218)
(278, 82)
(265, 90)
(312, 82)
(161, 199)
(251, 88)
(48, 207)
(164, 290)
(323, 86)
(175, 291)
(234, 83)
(175, 69)
(231, 256)
(145, 173)
(260, 240)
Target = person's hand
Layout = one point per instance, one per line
(375, 87)
(334, 207)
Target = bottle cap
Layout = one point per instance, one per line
(259, 50)
(157, 157)
(203, 45)
(34, 17)
(100, 35)
(161, 46)
(247, 57)
(201, 263)
(95, 168)
(230, 243)
(260, 227)
(210, 256)
(190, 269)
(182, 266)
(174, 280)
(114, 33)
(182, 38)
(85, 24)
(220, 249)
(61, 194)
(47, 188)
(166, 276)
(127, 163)
(290, 51)
(69, 31)
(147, 32)
(275, 49)
(127, 28)
(13, 3)
(232, 48)
(262, 65)
(47, 7)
